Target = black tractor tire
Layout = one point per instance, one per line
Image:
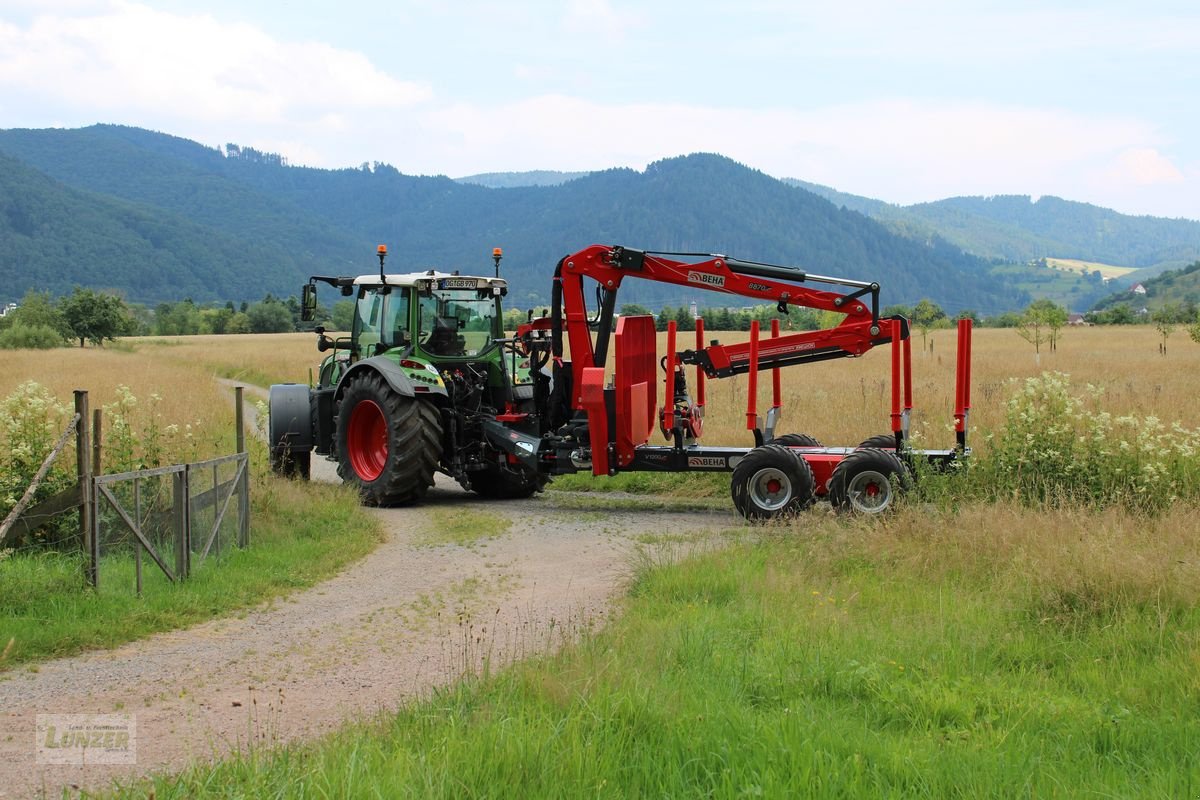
(796, 440)
(771, 481)
(869, 481)
(388, 444)
(881, 441)
(507, 483)
(292, 464)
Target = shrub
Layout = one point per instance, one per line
(1057, 447)
(30, 337)
(32, 422)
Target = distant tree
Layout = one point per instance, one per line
(926, 316)
(238, 323)
(1007, 319)
(216, 320)
(95, 316)
(270, 316)
(1194, 332)
(1164, 320)
(634, 310)
(178, 319)
(968, 313)
(1040, 323)
(684, 321)
(665, 315)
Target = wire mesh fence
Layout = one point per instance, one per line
(138, 528)
(172, 519)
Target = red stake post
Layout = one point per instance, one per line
(752, 388)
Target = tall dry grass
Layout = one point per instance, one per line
(839, 402)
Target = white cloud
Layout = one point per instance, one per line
(1144, 166)
(129, 58)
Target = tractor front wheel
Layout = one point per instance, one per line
(771, 481)
(388, 444)
(868, 481)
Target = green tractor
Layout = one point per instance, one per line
(425, 382)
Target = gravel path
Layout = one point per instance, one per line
(407, 618)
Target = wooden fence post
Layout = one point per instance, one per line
(83, 463)
(97, 440)
(244, 483)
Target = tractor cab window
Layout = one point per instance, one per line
(381, 318)
(459, 322)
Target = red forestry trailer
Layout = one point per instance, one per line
(609, 423)
(427, 382)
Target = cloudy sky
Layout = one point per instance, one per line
(903, 101)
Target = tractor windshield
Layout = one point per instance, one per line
(457, 322)
(381, 319)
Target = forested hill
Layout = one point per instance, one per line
(1017, 228)
(241, 223)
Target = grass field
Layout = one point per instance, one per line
(992, 652)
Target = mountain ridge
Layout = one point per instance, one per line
(269, 224)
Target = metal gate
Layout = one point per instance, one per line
(178, 515)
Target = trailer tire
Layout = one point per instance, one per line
(499, 483)
(796, 440)
(771, 481)
(388, 444)
(880, 441)
(868, 481)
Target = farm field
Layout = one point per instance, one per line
(1107, 271)
(839, 402)
(958, 648)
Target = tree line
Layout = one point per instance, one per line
(86, 316)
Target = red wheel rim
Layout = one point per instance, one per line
(367, 440)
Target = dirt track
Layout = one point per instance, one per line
(405, 619)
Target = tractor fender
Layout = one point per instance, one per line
(391, 372)
(289, 427)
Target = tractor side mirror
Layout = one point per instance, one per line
(308, 302)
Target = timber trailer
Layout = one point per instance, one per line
(428, 381)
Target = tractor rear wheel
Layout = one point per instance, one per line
(388, 444)
(771, 481)
(868, 481)
(795, 440)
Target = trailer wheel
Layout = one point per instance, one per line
(881, 441)
(796, 440)
(771, 481)
(868, 481)
(500, 483)
(387, 444)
